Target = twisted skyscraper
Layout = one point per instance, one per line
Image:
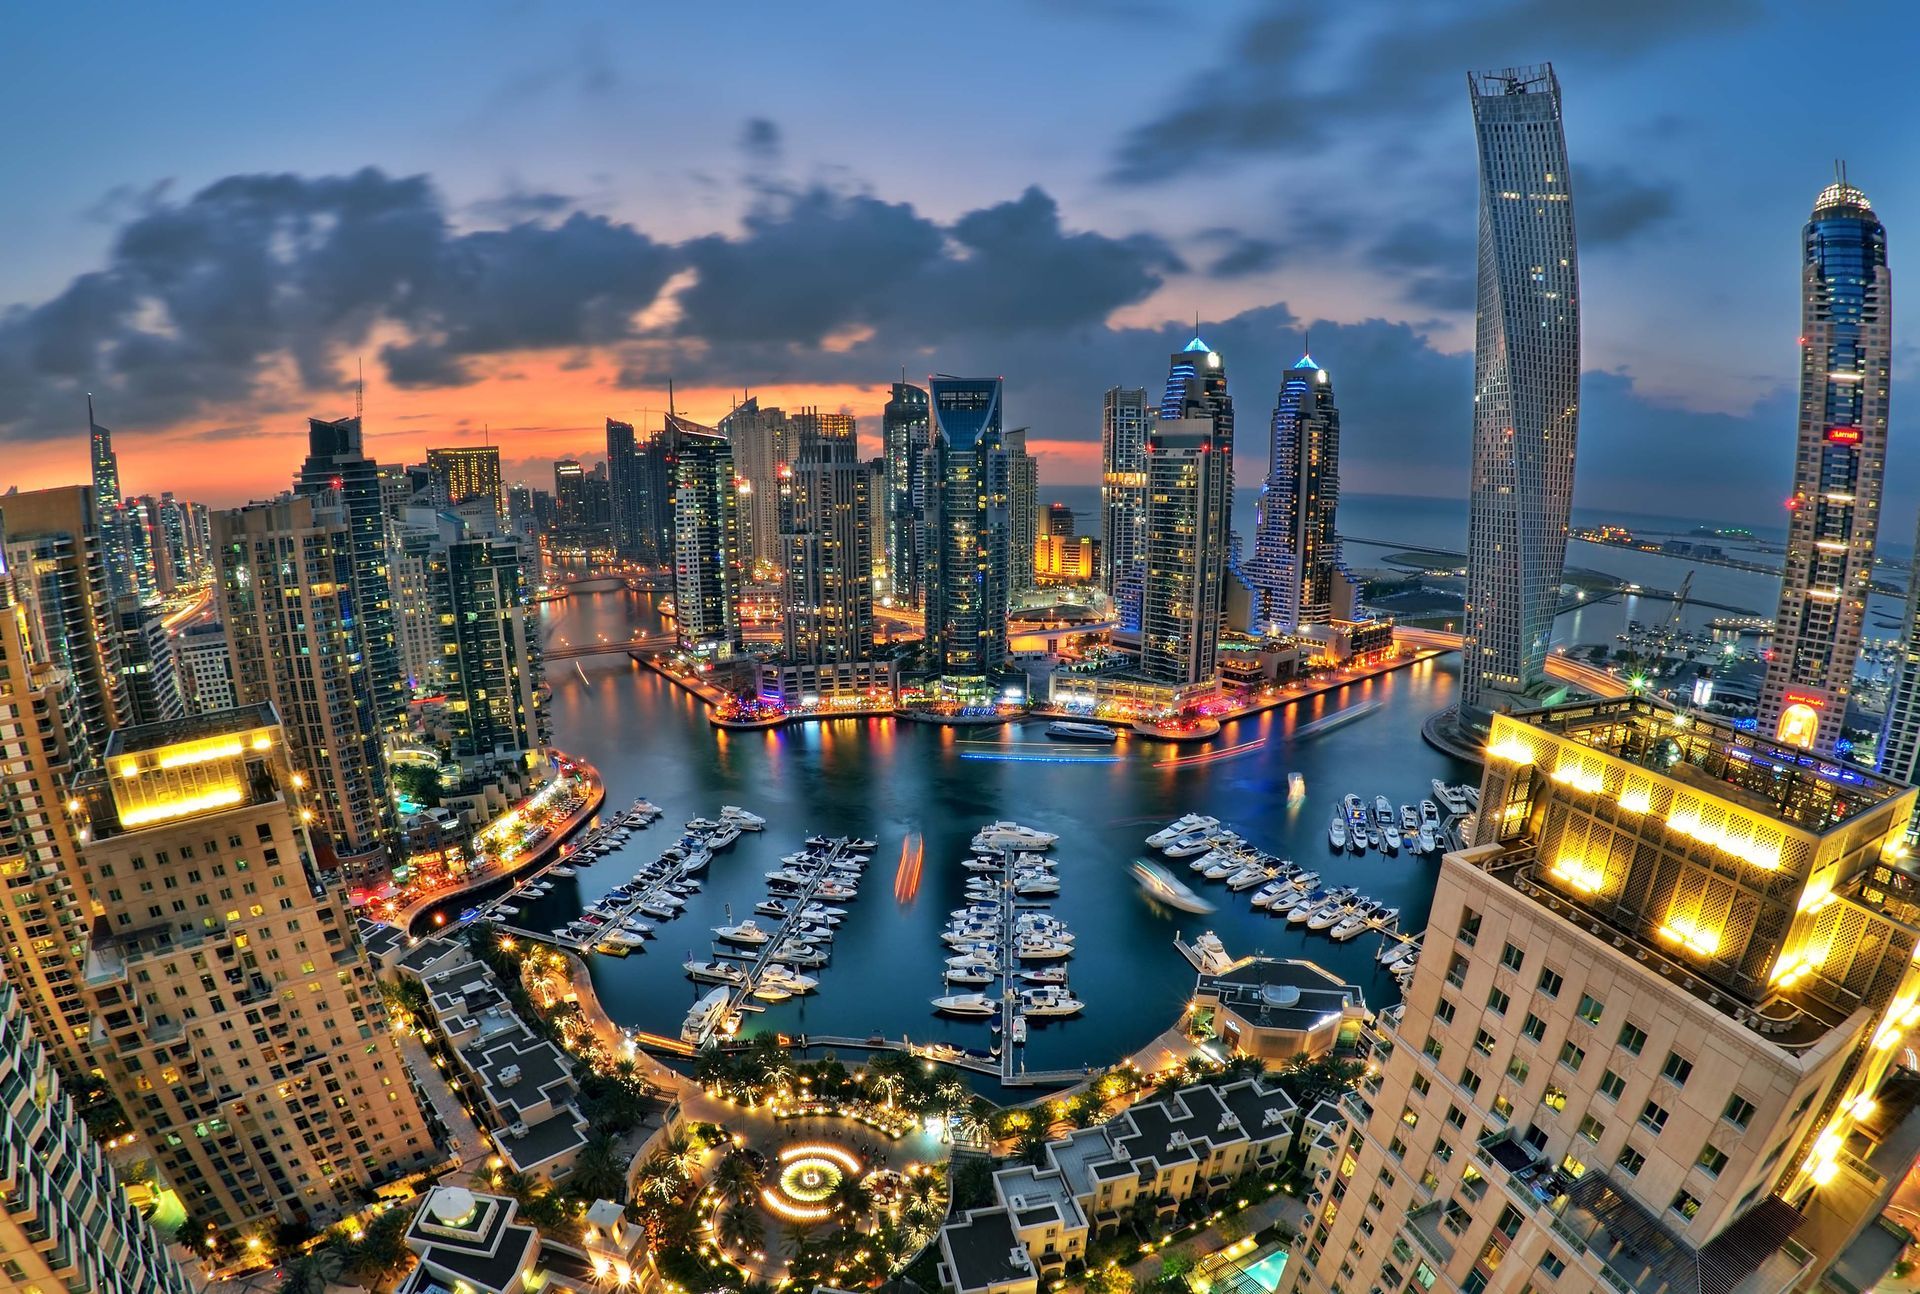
(1846, 342)
(1526, 386)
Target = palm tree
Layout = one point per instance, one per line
(600, 1172)
(521, 1186)
(313, 1271)
(976, 1119)
(381, 1252)
(712, 1067)
(852, 1199)
(659, 1182)
(742, 1225)
(953, 1095)
(885, 1084)
(739, 1174)
(683, 1155)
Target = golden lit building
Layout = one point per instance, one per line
(235, 1013)
(467, 472)
(1648, 1041)
(1065, 559)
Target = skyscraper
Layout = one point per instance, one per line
(106, 498)
(1021, 482)
(467, 472)
(762, 441)
(572, 511)
(627, 494)
(969, 565)
(1526, 384)
(242, 1027)
(1846, 344)
(707, 569)
(287, 598)
(1655, 1032)
(1125, 419)
(1296, 547)
(335, 462)
(1197, 388)
(64, 1224)
(1184, 593)
(906, 441)
(827, 547)
(149, 674)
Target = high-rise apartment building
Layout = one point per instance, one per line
(1296, 547)
(149, 674)
(1526, 387)
(106, 499)
(1846, 347)
(1125, 420)
(65, 1223)
(969, 566)
(236, 1013)
(1651, 1041)
(707, 567)
(627, 494)
(1183, 598)
(571, 510)
(906, 443)
(763, 444)
(1019, 479)
(467, 472)
(287, 598)
(335, 462)
(827, 538)
(1197, 388)
(206, 674)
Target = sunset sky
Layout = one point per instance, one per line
(524, 218)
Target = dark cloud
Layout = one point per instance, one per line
(760, 140)
(1240, 254)
(518, 204)
(1290, 80)
(1613, 204)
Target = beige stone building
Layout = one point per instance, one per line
(1647, 1045)
(235, 1011)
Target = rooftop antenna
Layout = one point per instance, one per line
(670, 409)
(360, 389)
(1306, 342)
(89, 411)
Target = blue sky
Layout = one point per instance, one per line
(807, 198)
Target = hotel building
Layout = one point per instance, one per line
(236, 1015)
(1125, 420)
(1649, 1041)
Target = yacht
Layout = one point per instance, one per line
(1337, 833)
(1194, 842)
(971, 961)
(714, 972)
(1409, 820)
(789, 877)
(1351, 803)
(1246, 878)
(772, 908)
(768, 990)
(835, 890)
(860, 843)
(1449, 796)
(1296, 788)
(1050, 1000)
(1428, 840)
(1429, 814)
(1308, 905)
(795, 953)
(973, 975)
(1373, 837)
(711, 1012)
(970, 1004)
(1093, 732)
(1011, 835)
(723, 836)
(619, 943)
(506, 910)
(747, 932)
(1346, 928)
(1328, 914)
(1306, 880)
(1390, 837)
(562, 870)
(1269, 892)
(1211, 954)
(812, 934)
(1019, 1027)
(1220, 868)
(787, 977)
(739, 817)
(1382, 810)
(634, 925)
(696, 862)
(1039, 948)
(1051, 975)
(1179, 827)
(657, 908)
(1036, 885)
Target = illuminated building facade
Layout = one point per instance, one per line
(969, 566)
(236, 1014)
(763, 443)
(1125, 419)
(1649, 1040)
(571, 510)
(1526, 387)
(906, 444)
(336, 464)
(206, 673)
(287, 599)
(149, 673)
(65, 1223)
(707, 566)
(1846, 344)
(468, 472)
(826, 552)
(1189, 483)
(1017, 477)
(1297, 548)
(627, 494)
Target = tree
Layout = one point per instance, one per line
(972, 1183)
(1031, 1142)
(600, 1171)
(381, 1253)
(741, 1225)
(1111, 1279)
(1174, 1267)
(416, 783)
(739, 1174)
(1321, 1078)
(313, 1271)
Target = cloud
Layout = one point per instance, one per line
(1613, 204)
(1290, 79)
(760, 140)
(1240, 254)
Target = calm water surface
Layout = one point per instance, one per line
(919, 789)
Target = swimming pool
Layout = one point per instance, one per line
(1267, 1271)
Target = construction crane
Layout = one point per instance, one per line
(1680, 602)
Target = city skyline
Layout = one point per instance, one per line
(1385, 301)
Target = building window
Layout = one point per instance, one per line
(1572, 1167)
(1433, 1046)
(1685, 1205)
(1457, 971)
(1739, 1111)
(1590, 1008)
(1612, 1085)
(1632, 1037)
(1631, 1161)
(1422, 1084)
(1483, 1042)
(1469, 926)
(1512, 958)
(1712, 1159)
(1397, 1148)
(1445, 1011)
(1534, 1028)
(1517, 1067)
(1554, 1098)
(1552, 1264)
(1498, 1002)
(1592, 1129)
(1502, 1108)
(1470, 1081)
(1551, 982)
(1572, 1056)
(1456, 1117)
(1653, 1117)
(1410, 1117)
(1509, 1223)
(1677, 1069)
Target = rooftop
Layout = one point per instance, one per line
(982, 1250)
(1283, 994)
(546, 1140)
(196, 727)
(1788, 784)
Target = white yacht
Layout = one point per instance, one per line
(562, 870)
(1428, 840)
(1194, 842)
(1179, 827)
(1040, 948)
(1347, 928)
(1051, 1000)
(1011, 835)
(1390, 837)
(714, 972)
(709, 1013)
(974, 975)
(635, 926)
(1211, 954)
(1246, 878)
(741, 818)
(747, 932)
(1269, 892)
(1337, 832)
(1327, 916)
(972, 1004)
(789, 978)
(506, 909)
(1158, 884)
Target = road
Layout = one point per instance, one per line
(1590, 678)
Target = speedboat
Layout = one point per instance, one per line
(741, 818)
(1050, 1001)
(1337, 833)
(634, 925)
(1179, 827)
(1428, 840)
(747, 932)
(1347, 928)
(1390, 837)
(772, 908)
(974, 975)
(795, 953)
(813, 934)
(1382, 810)
(972, 1004)
(1052, 975)
(1296, 788)
(1041, 949)
(1160, 885)
(1373, 837)
(1094, 732)
(1194, 842)
(657, 908)
(835, 890)
(696, 861)
(714, 972)
(771, 990)
(619, 943)
(562, 870)
(506, 910)
(789, 978)
(1019, 1027)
